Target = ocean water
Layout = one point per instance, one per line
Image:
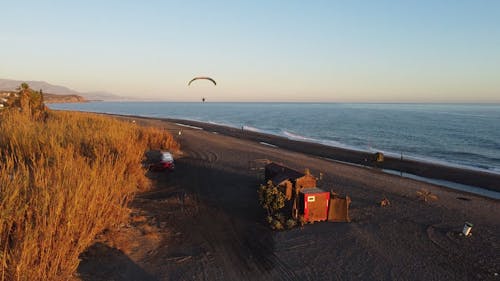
(464, 135)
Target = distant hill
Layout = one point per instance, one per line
(52, 98)
(10, 85)
(99, 95)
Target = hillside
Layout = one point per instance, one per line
(10, 85)
(52, 98)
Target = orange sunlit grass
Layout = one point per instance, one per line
(62, 181)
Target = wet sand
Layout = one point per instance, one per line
(203, 222)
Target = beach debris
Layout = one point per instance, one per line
(385, 202)
(467, 229)
(179, 259)
(268, 144)
(378, 157)
(426, 195)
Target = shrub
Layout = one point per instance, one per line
(157, 139)
(277, 225)
(271, 198)
(269, 220)
(280, 217)
(290, 223)
(28, 102)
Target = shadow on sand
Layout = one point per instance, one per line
(219, 232)
(101, 262)
(225, 235)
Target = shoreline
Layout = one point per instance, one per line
(463, 176)
(436, 173)
(207, 222)
(453, 157)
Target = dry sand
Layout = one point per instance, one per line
(203, 222)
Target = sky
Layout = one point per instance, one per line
(263, 50)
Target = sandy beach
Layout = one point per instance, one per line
(203, 221)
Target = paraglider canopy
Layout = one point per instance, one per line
(202, 78)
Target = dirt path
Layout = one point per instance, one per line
(202, 222)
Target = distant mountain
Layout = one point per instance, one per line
(10, 85)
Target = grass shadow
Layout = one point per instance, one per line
(101, 262)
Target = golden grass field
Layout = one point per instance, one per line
(63, 180)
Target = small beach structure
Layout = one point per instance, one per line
(289, 181)
(313, 204)
(304, 198)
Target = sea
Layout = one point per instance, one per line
(460, 135)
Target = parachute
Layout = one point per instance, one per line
(203, 78)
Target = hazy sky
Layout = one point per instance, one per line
(386, 51)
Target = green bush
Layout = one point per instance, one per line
(271, 198)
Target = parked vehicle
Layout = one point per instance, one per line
(166, 162)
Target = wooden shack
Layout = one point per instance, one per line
(313, 204)
(289, 181)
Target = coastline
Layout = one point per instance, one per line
(203, 220)
(433, 171)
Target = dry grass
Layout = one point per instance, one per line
(63, 181)
(155, 139)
